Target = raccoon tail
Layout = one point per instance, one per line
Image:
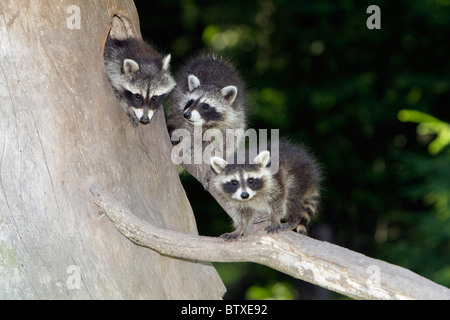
(307, 212)
(298, 218)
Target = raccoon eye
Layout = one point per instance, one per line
(251, 180)
(154, 97)
(234, 182)
(205, 106)
(137, 96)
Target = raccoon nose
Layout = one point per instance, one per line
(187, 114)
(145, 120)
(245, 195)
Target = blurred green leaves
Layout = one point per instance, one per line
(428, 125)
(227, 39)
(274, 291)
(426, 180)
(270, 106)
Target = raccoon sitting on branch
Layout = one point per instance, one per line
(139, 75)
(291, 193)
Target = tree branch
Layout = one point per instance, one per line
(321, 263)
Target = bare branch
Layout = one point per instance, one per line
(321, 263)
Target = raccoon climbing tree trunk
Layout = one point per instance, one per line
(61, 130)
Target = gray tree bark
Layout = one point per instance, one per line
(61, 129)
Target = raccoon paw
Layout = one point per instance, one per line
(134, 122)
(288, 226)
(175, 142)
(230, 236)
(273, 228)
(133, 119)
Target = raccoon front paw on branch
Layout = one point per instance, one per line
(273, 228)
(231, 236)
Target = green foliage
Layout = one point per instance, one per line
(426, 234)
(428, 125)
(314, 71)
(275, 291)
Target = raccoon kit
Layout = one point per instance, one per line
(210, 93)
(139, 75)
(292, 193)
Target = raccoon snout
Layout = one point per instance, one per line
(145, 120)
(187, 115)
(245, 195)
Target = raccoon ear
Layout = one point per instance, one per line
(166, 63)
(218, 164)
(262, 159)
(130, 66)
(193, 82)
(229, 93)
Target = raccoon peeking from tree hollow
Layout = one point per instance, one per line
(139, 75)
(211, 94)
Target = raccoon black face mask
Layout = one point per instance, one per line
(139, 75)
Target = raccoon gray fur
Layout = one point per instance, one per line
(210, 93)
(139, 75)
(292, 193)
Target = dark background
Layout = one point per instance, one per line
(316, 72)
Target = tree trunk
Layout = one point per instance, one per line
(61, 129)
